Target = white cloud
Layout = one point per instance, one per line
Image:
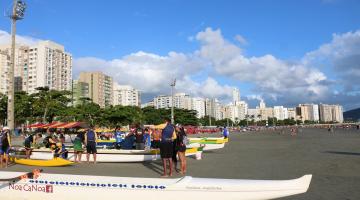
(271, 76)
(254, 97)
(342, 55)
(208, 88)
(150, 73)
(5, 39)
(241, 39)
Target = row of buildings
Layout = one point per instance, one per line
(239, 110)
(47, 64)
(103, 90)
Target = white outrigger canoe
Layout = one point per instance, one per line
(113, 155)
(206, 147)
(74, 187)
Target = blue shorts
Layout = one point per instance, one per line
(4, 150)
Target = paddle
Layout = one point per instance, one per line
(30, 175)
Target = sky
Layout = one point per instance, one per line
(285, 52)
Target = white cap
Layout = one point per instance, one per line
(6, 128)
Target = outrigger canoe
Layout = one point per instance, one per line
(115, 155)
(74, 187)
(208, 143)
(209, 140)
(55, 162)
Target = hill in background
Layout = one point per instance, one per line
(352, 114)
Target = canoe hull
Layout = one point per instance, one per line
(61, 186)
(55, 162)
(112, 156)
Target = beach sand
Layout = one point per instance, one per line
(332, 159)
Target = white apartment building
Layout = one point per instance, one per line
(331, 113)
(198, 104)
(126, 95)
(100, 87)
(4, 70)
(291, 113)
(148, 104)
(308, 112)
(45, 64)
(181, 100)
(280, 112)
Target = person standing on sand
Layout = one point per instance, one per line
(5, 145)
(166, 145)
(181, 143)
(147, 139)
(139, 139)
(29, 142)
(90, 143)
(225, 132)
(119, 137)
(78, 146)
(175, 149)
(156, 135)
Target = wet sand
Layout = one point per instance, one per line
(333, 159)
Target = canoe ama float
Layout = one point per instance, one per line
(74, 187)
(55, 162)
(114, 155)
(208, 140)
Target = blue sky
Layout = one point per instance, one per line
(112, 33)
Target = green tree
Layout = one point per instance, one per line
(23, 107)
(50, 103)
(186, 117)
(155, 116)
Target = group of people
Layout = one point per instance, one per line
(54, 141)
(171, 140)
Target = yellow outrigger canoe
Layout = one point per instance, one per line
(56, 162)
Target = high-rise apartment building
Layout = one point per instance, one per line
(126, 95)
(308, 112)
(181, 100)
(4, 70)
(291, 113)
(45, 64)
(198, 104)
(236, 95)
(331, 113)
(80, 92)
(280, 112)
(100, 87)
